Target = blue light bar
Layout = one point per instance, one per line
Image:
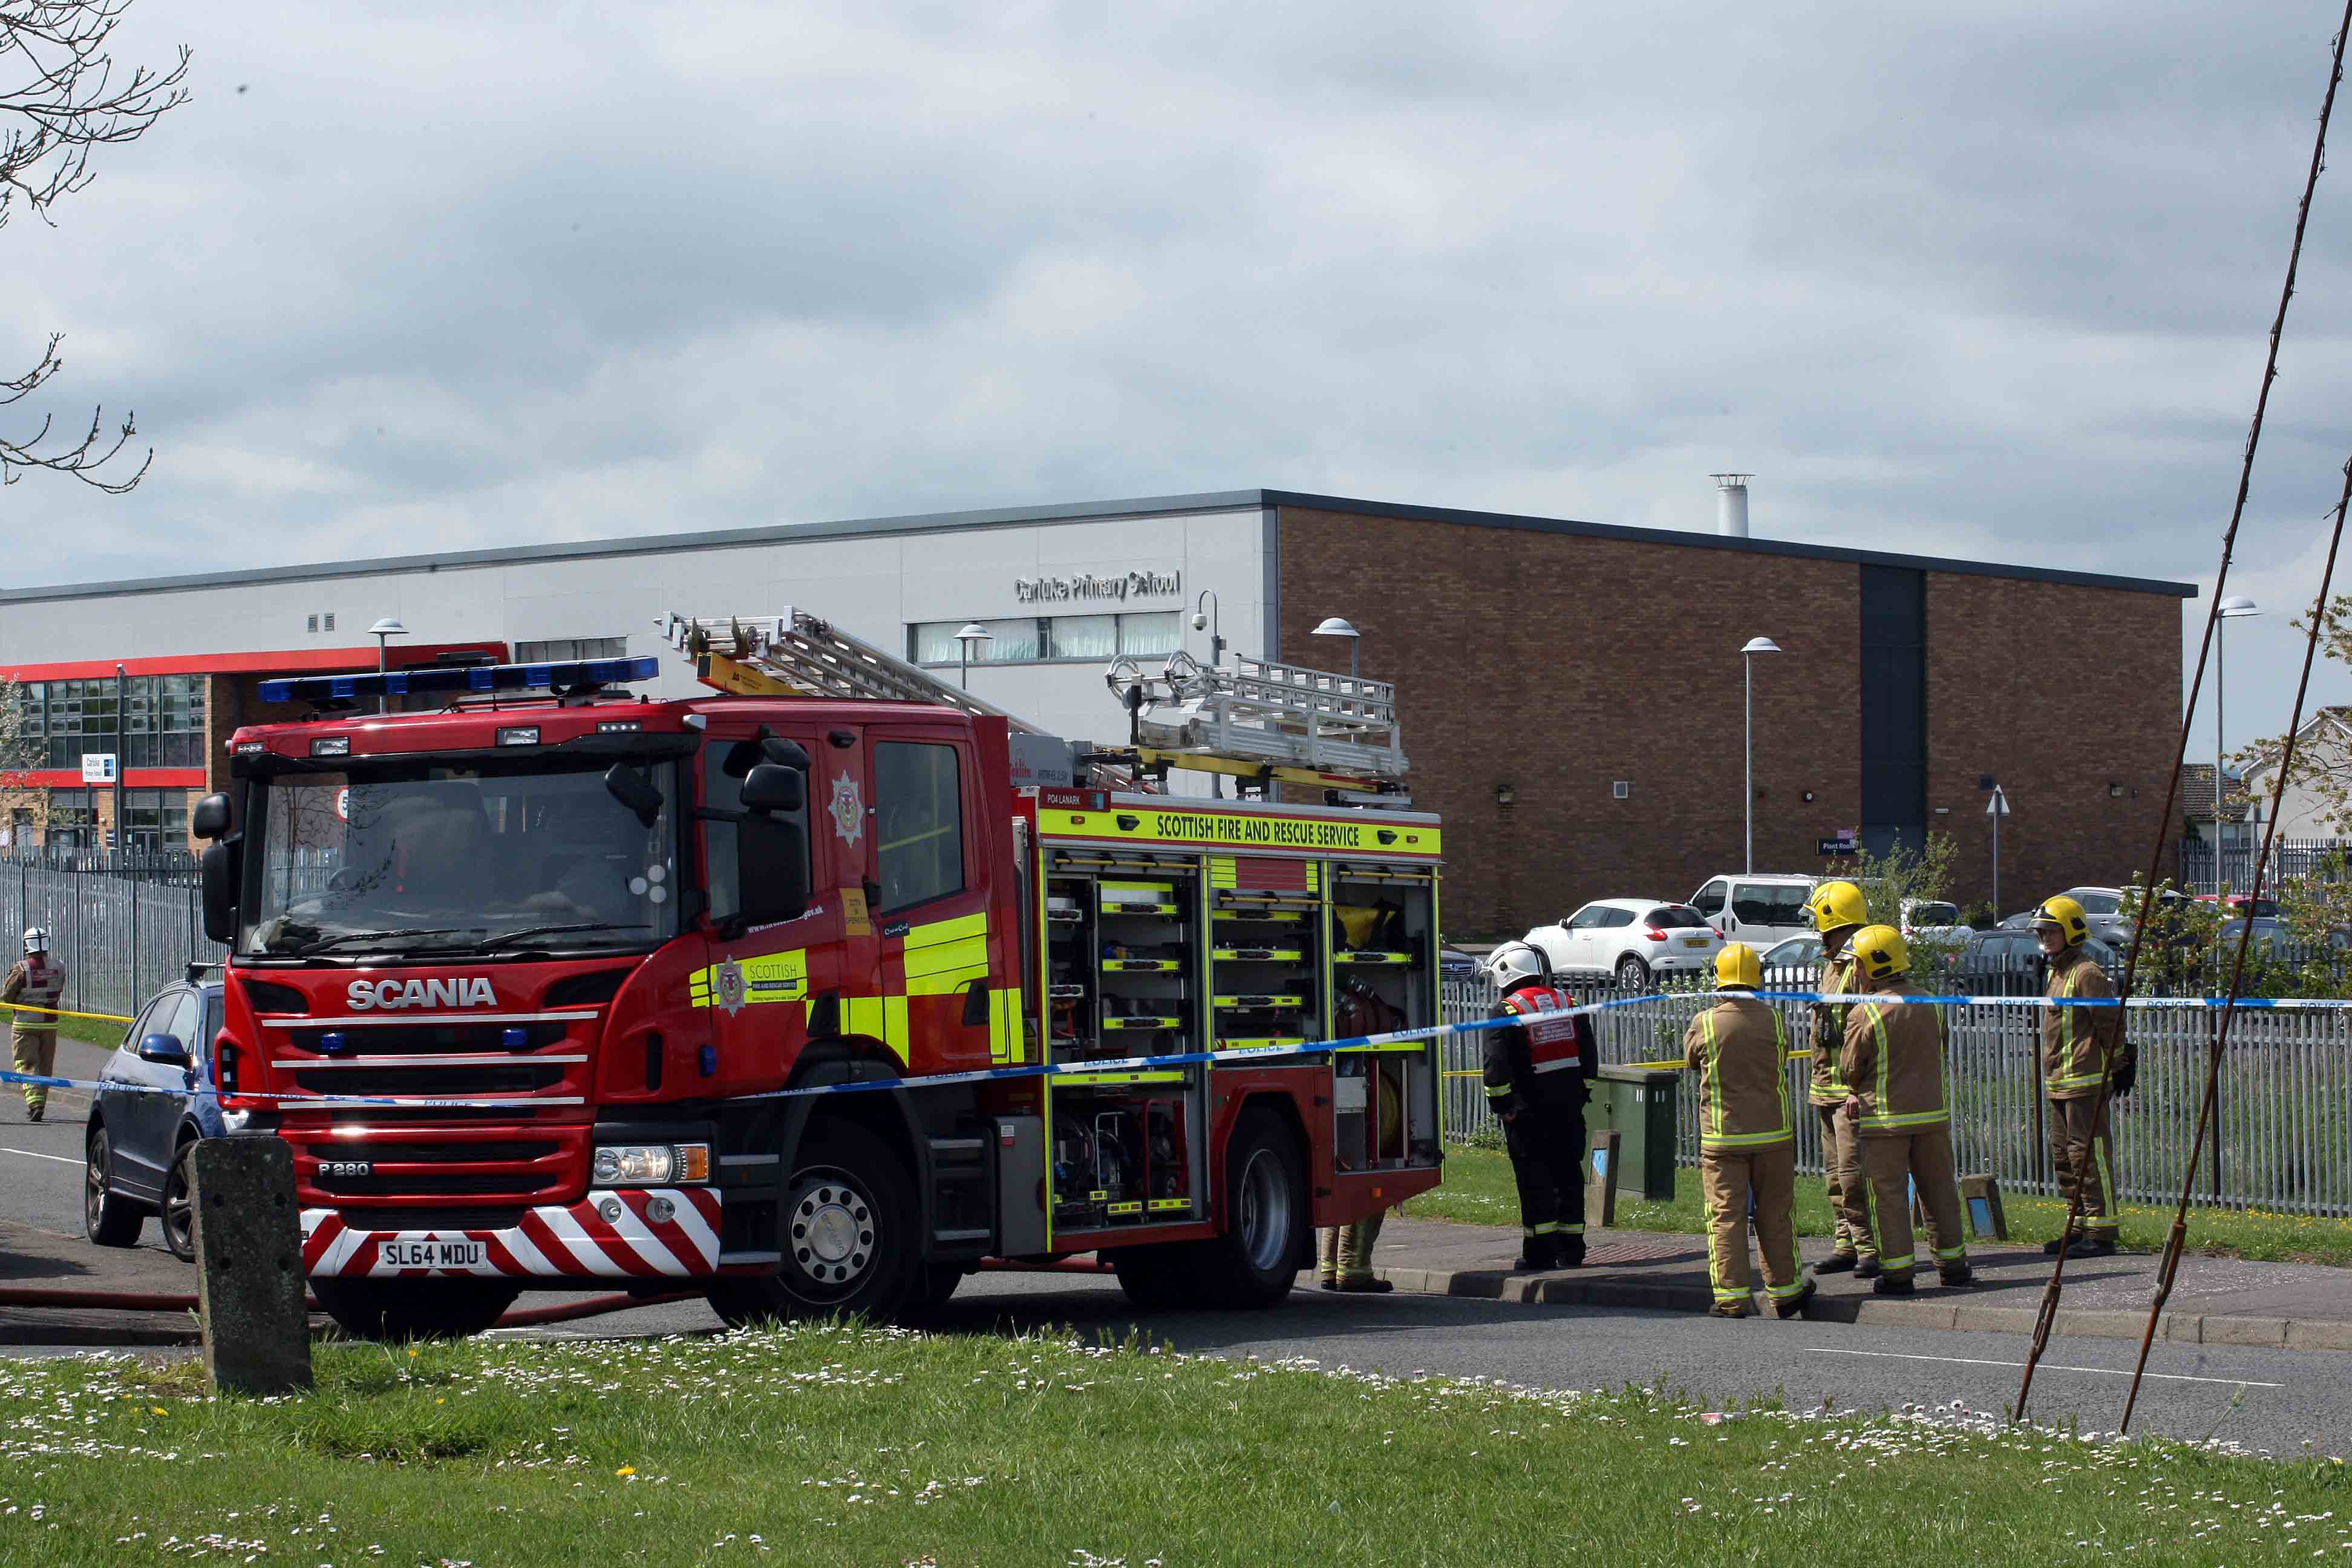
(463, 681)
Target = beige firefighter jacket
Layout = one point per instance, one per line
(1838, 978)
(1893, 1059)
(1740, 1050)
(2078, 1044)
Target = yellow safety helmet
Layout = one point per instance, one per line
(1837, 904)
(2067, 915)
(1737, 966)
(1882, 951)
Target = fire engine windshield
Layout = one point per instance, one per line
(411, 854)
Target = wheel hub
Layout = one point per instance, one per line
(831, 1233)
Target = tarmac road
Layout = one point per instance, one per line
(2275, 1400)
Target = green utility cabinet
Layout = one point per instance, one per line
(1639, 1103)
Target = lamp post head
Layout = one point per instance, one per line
(1761, 644)
(1333, 627)
(389, 626)
(2237, 605)
(973, 631)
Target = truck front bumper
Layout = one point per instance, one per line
(607, 1236)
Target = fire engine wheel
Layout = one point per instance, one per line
(1267, 1217)
(415, 1309)
(848, 1235)
(1157, 1279)
(110, 1219)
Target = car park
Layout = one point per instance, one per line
(1632, 940)
(1932, 920)
(2007, 951)
(1756, 909)
(1793, 958)
(157, 1103)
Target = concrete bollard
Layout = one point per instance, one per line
(1601, 1180)
(1981, 1196)
(250, 1282)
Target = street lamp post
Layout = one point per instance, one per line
(1748, 658)
(2237, 607)
(1207, 617)
(1333, 627)
(383, 631)
(970, 633)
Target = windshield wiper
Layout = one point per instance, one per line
(340, 938)
(503, 937)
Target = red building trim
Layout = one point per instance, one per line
(295, 661)
(132, 778)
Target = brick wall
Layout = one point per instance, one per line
(1559, 663)
(2058, 740)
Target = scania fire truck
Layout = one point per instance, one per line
(815, 992)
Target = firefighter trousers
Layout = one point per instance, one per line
(1343, 1253)
(1842, 1176)
(2080, 1145)
(1895, 1164)
(1730, 1177)
(1545, 1144)
(35, 1052)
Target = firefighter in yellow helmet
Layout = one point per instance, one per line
(1838, 912)
(1737, 1051)
(1894, 1065)
(2080, 1048)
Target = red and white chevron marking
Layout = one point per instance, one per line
(548, 1243)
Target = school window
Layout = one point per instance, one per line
(918, 804)
(162, 720)
(1031, 639)
(562, 650)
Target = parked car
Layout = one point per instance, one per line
(136, 1152)
(1634, 940)
(1758, 909)
(1453, 963)
(2269, 935)
(1932, 920)
(2010, 951)
(1791, 957)
(2263, 909)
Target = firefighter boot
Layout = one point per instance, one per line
(1897, 1285)
(1866, 1269)
(1836, 1263)
(2084, 1246)
(1959, 1276)
(1794, 1306)
(1567, 1252)
(1737, 1307)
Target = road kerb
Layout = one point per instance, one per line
(1927, 1312)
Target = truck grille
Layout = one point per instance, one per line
(413, 1166)
(422, 1040)
(524, 1076)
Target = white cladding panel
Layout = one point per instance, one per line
(873, 585)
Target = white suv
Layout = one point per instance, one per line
(1630, 939)
(1760, 910)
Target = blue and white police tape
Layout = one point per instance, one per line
(1236, 1057)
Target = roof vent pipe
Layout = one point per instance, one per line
(1731, 504)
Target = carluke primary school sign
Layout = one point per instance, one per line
(1118, 589)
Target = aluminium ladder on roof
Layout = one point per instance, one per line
(813, 657)
(1277, 715)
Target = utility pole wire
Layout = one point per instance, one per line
(2049, 1312)
(2180, 1235)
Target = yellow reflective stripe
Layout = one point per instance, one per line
(973, 924)
(1908, 1118)
(1006, 1046)
(1885, 1055)
(1745, 1139)
(883, 1019)
(1714, 1069)
(1221, 873)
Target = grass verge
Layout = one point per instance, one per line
(825, 1444)
(1478, 1190)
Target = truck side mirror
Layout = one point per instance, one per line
(222, 861)
(632, 789)
(773, 788)
(210, 818)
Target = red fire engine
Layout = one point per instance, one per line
(798, 994)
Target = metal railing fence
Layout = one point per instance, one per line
(2282, 1140)
(121, 936)
(2196, 862)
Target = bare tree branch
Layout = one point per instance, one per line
(59, 98)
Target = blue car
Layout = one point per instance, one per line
(136, 1158)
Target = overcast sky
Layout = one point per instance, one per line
(433, 275)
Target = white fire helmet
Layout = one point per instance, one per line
(36, 938)
(1516, 961)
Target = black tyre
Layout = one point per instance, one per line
(178, 1214)
(1632, 975)
(415, 1309)
(935, 1285)
(1267, 1228)
(108, 1218)
(849, 1239)
(1157, 1278)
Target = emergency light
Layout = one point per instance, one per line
(463, 681)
